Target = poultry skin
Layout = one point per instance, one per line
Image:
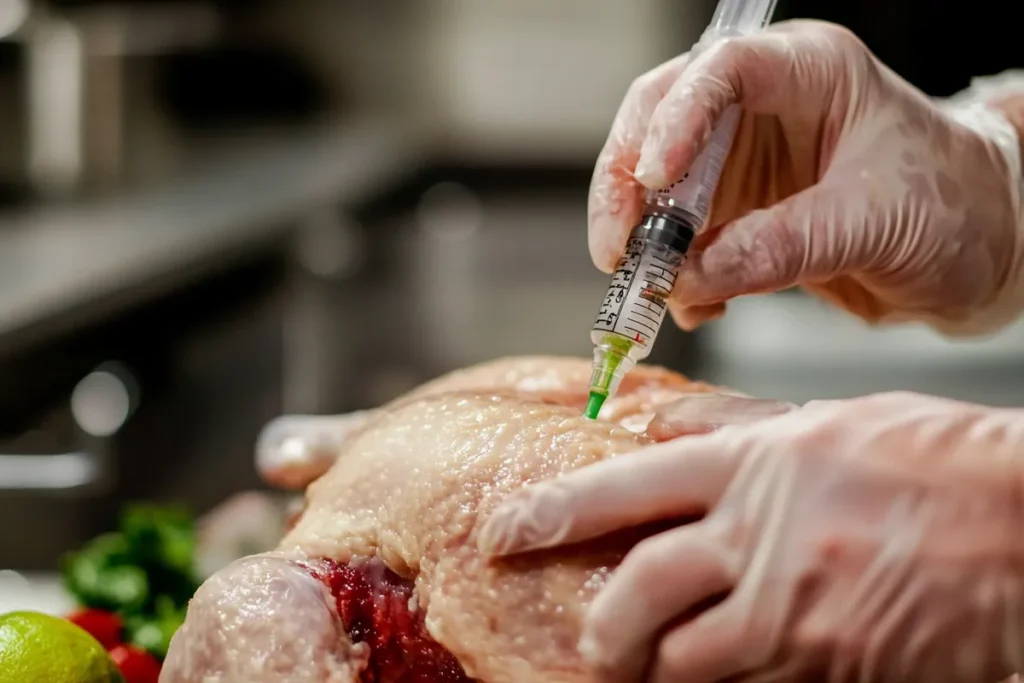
(379, 580)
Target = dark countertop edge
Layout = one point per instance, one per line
(273, 187)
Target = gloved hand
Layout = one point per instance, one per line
(874, 539)
(843, 178)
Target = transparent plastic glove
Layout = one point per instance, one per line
(877, 539)
(843, 178)
(704, 413)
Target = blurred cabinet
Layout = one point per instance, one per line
(201, 373)
(456, 266)
(501, 80)
(532, 77)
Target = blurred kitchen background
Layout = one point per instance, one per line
(212, 213)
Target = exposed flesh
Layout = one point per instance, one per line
(410, 487)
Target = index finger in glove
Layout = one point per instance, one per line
(668, 480)
(616, 198)
(702, 413)
(761, 73)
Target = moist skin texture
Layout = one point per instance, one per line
(410, 490)
(547, 379)
(417, 484)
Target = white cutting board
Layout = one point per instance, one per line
(36, 592)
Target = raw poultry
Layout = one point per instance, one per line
(379, 580)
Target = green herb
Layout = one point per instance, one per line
(145, 572)
(161, 536)
(101, 575)
(153, 633)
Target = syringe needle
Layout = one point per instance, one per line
(594, 404)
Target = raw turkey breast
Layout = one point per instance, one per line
(379, 580)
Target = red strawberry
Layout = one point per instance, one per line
(104, 626)
(137, 666)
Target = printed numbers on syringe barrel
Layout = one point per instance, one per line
(622, 278)
(634, 305)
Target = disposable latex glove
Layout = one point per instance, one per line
(705, 413)
(876, 539)
(843, 178)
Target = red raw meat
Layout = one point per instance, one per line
(374, 603)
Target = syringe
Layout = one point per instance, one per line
(635, 304)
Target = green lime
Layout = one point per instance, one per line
(39, 648)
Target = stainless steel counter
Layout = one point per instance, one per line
(60, 266)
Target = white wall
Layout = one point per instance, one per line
(534, 76)
(508, 77)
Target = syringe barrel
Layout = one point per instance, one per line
(637, 298)
(689, 199)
